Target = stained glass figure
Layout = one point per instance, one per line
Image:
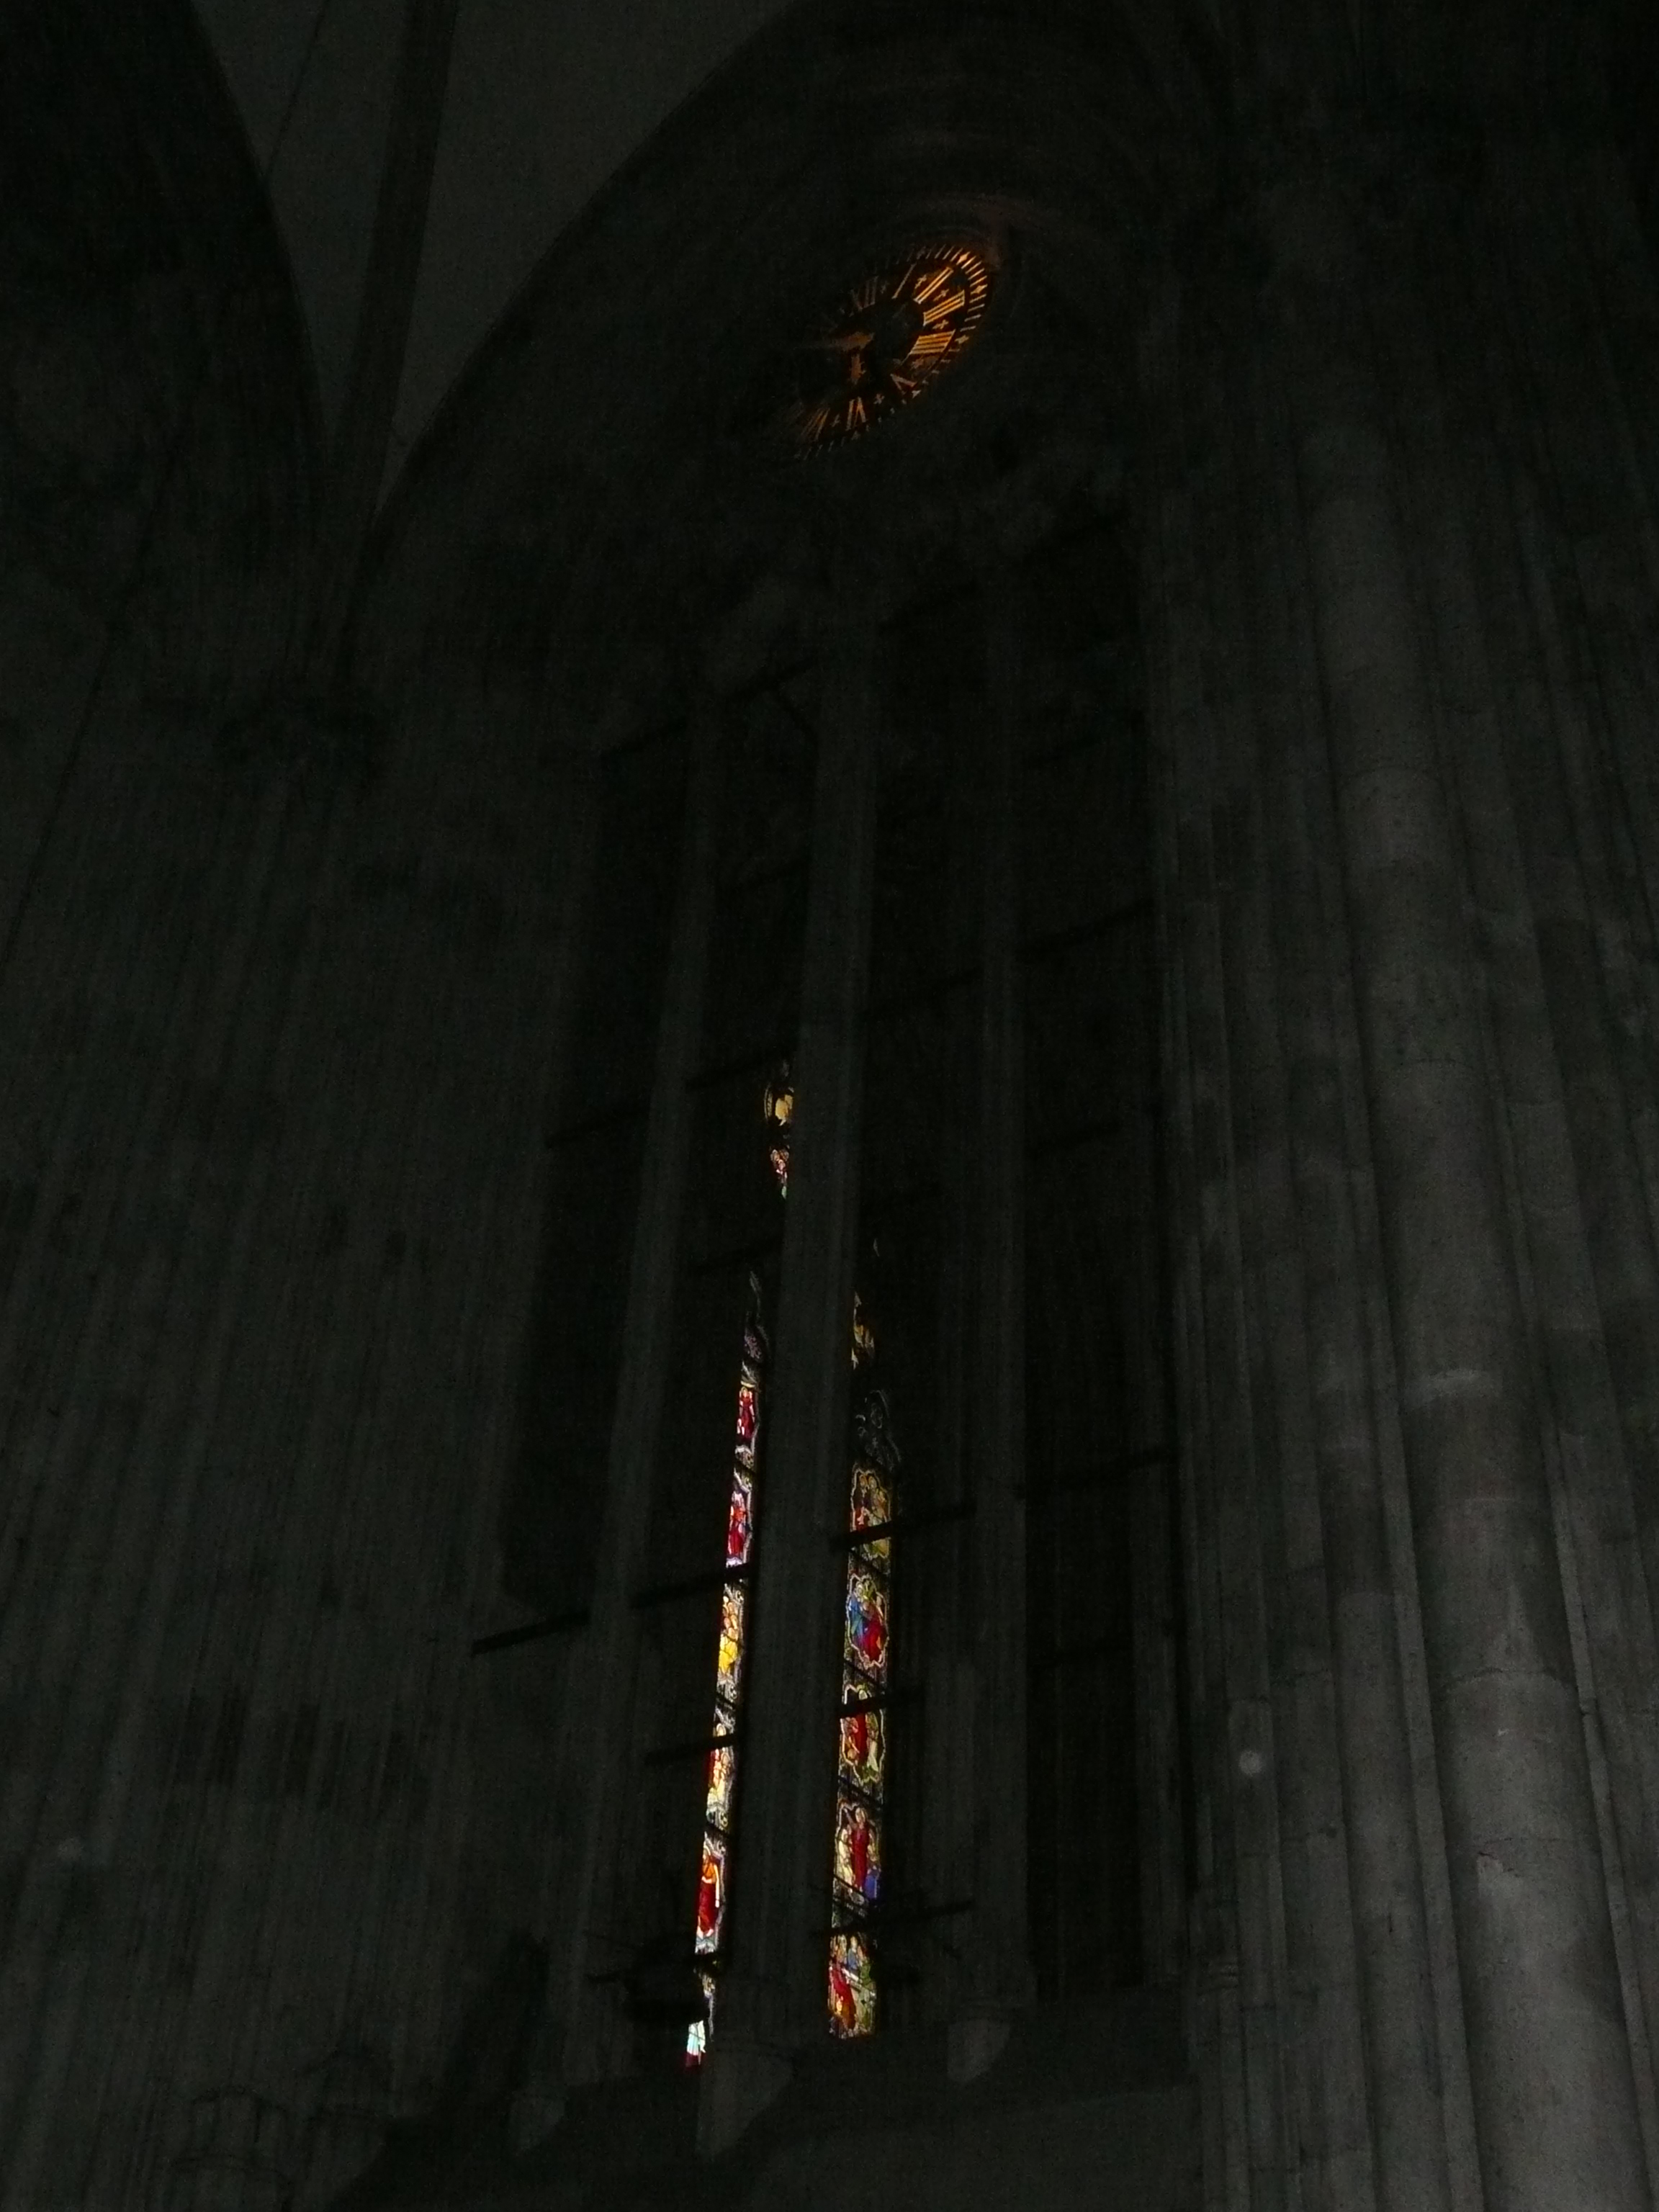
(779, 1107)
(711, 1891)
(871, 1499)
(866, 1616)
(720, 1787)
(856, 1868)
(864, 1337)
(862, 1744)
(722, 1774)
(739, 1519)
(863, 1748)
(857, 1850)
(852, 1986)
(729, 1672)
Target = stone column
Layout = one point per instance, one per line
(595, 1755)
(1549, 2062)
(773, 1997)
(998, 1979)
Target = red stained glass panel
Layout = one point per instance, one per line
(863, 1749)
(852, 1986)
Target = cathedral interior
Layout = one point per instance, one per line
(829, 1217)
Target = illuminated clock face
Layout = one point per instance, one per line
(885, 342)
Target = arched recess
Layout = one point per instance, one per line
(597, 538)
(160, 428)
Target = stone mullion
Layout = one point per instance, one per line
(773, 1997)
(1521, 1828)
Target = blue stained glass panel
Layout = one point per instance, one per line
(866, 1618)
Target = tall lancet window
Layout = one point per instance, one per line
(1017, 1330)
(856, 1843)
(861, 1764)
(721, 1792)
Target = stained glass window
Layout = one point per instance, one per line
(856, 1859)
(721, 1784)
(779, 1107)
(856, 1868)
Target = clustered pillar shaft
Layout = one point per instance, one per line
(1373, 1739)
(1424, 1833)
(773, 1997)
(1549, 2061)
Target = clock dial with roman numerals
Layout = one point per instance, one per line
(885, 342)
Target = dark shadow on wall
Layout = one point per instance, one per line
(485, 2068)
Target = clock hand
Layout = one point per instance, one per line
(844, 342)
